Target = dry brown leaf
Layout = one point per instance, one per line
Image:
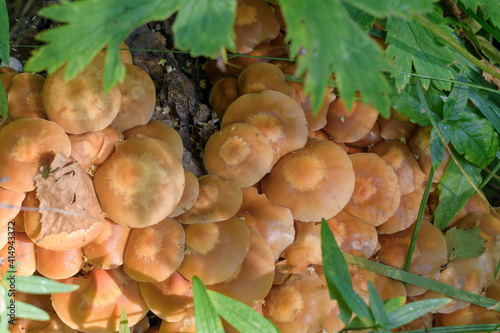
(488, 77)
(67, 198)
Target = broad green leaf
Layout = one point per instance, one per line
(4, 33)
(205, 27)
(408, 103)
(240, 316)
(473, 137)
(489, 50)
(412, 311)
(377, 306)
(28, 311)
(207, 320)
(454, 191)
(364, 19)
(334, 264)
(399, 8)
(411, 44)
(354, 301)
(490, 8)
(90, 26)
(437, 147)
(464, 243)
(325, 39)
(420, 281)
(3, 102)
(394, 303)
(40, 285)
(457, 99)
(123, 326)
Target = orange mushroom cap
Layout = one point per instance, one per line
(58, 265)
(141, 183)
(222, 94)
(263, 76)
(25, 96)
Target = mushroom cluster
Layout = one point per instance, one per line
(109, 206)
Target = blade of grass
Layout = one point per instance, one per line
(40, 285)
(377, 306)
(486, 26)
(420, 281)
(461, 329)
(207, 320)
(28, 311)
(412, 311)
(418, 222)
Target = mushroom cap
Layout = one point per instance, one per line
(155, 252)
(79, 105)
(405, 215)
(278, 117)
(215, 250)
(238, 152)
(300, 304)
(12, 200)
(6, 79)
(255, 23)
(24, 253)
(305, 249)
(313, 182)
(94, 147)
(254, 277)
(218, 199)
(58, 265)
(371, 138)
(263, 76)
(169, 299)
(138, 99)
(141, 183)
(402, 161)
(189, 196)
(25, 146)
(349, 125)
(222, 94)
(107, 250)
(274, 222)
(97, 305)
(353, 235)
(397, 127)
(25, 96)
(376, 195)
(155, 129)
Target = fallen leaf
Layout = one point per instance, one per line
(488, 77)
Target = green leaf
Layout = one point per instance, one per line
(377, 306)
(399, 8)
(90, 26)
(454, 191)
(4, 300)
(28, 311)
(240, 316)
(123, 326)
(459, 329)
(489, 50)
(364, 19)
(39, 285)
(437, 147)
(4, 33)
(411, 44)
(324, 39)
(490, 9)
(205, 27)
(457, 99)
(334, 264)
(354, 301)
(412, 311)
(207, 320)
(464, 243)
(394, 303)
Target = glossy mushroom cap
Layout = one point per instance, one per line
(58, 265)
(189, 196)
(79, 105)
(141, 183)
(397, 127)
(25, 146)
(313, 182)
(263, 76)
(138, 99)
(238, 152)
(25, 97)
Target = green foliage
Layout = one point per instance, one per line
(4, 33)
(398, 8)
(123, 326)
(24, 310)
(39, 285)
(3, 102)
(207, 320)
(410, 44)
(325, 39)
(489, 8)
(464, 243)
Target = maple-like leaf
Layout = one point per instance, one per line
(490, 8)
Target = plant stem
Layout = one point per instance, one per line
(451, 41)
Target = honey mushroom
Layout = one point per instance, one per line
(10, 204)
(223, 93)
(274, 222)
(25, 96)
(263, 76)
(305, 249)
(313, 182)
(238, 152)
(58, 265)
(189, 196)
(25, 255)
(396, 127)
(153, 253)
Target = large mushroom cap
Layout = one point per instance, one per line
(141, 183)
(263, 76)
(313, 182)
(278, 117)
(25, 146)
(79, 105)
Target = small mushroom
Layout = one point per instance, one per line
(58, 265)
(405, 215)
(25, 97)
(189, 196)
(396, 127)
(21, 250)
(10, 204)
(222, 94)
(263, 76)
